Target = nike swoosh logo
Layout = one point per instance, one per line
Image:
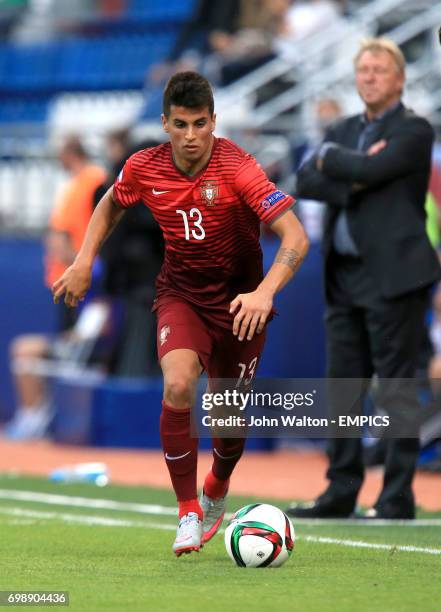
(167, 456)
(158, 192)
(222, 456)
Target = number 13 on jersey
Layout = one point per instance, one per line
(192, 224)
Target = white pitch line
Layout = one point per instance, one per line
(364, 522)
(362, 544)
(110, 522)
(20, 522)
(86, 502)
(159, 510)
(83, 519)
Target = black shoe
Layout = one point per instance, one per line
(401, 515)
(323, 507)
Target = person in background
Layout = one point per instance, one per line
(193, 42)
(67, 225)
(131, 258)
(225, 40)
(373, 172)
(235, 54)
(304, 18)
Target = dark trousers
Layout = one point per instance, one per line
(369, 334)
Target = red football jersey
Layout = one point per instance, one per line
(210, 221)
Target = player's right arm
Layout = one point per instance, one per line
(75, 281)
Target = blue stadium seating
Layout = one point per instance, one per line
(23, 110)
(115, 57)
(81, 64)
(172, 10)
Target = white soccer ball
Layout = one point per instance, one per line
(259, 535)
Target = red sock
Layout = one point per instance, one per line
(190, 505)
(226, 453)
(215, 488)
(181, 454)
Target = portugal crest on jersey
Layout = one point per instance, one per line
(209, 192)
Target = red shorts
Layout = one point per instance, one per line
(182, 326)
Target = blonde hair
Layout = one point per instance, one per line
(375, 45)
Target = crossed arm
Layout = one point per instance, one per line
(400, 155)
(343, 171)
(313, 184)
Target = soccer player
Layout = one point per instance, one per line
(212, 303)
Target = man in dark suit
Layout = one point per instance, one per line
(373, 171)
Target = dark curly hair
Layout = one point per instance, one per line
(187, 89)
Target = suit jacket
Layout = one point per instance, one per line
(386, 216)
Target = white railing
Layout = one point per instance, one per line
(327, 77)
(314, 48)
(28, 190)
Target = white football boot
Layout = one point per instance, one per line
(214, 510)
(188, 534)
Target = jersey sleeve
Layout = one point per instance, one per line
(259, 193)
(125, 188)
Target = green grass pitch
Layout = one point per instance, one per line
(117, 556)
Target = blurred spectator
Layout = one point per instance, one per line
(132, 257)
(224, 40)
(67, 226)
(291, 23)
(235, 36)
(10, 12)
(193, 42)
(304, 18)
(72, 210)
(328, 110)
(250, 46)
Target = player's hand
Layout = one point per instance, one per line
(73, 285)
(376, 147)
(252, 310)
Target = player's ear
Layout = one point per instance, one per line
(164, 120)
(213, 122)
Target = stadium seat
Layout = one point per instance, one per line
(110, 58)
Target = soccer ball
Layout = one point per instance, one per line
(259, 535)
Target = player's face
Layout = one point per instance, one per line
(379, 80)
(191, 135)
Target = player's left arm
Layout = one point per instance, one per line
(254, 308)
